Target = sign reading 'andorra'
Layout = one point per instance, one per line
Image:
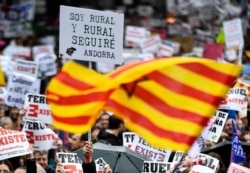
(91, 35)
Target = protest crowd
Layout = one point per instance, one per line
(131, 87)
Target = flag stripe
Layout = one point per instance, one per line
(204, 70)
(72, 81)
(183, 89)
(76, 120)
(79, 99)
(134, 116)
(167, 109)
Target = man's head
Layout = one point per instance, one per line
(77, 141)
(228, 127)
(41, 158)
(104, 120)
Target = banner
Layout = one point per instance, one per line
(41, 137)
(140, 146)
(91, 35)
(13, 143)
(236, 168)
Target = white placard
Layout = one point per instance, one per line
(150, 44)
(140, 146)
(29, 68)
(217, 126)
(48, 49)
(41, 137)
(233, 33)
(236, 99)
(135, 34)
(128, 138)
(91, 35)
(37, 108)
(18, 86)
(13, 144)
(46, 64)
(165, 50)
(70, 162)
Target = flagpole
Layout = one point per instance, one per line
(89, 132)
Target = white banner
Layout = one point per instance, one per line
(41, 137)
(29, 68)
(13, 144)
(91, 35)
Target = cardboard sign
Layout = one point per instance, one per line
(236, 99)
(41, 137)
(70, 161)
(13, 144)
(209, 166)
(156, 167)
(37, 108)
(91, 35)
(29, 68)
(236, 168)
(140, 146)
(217, 126)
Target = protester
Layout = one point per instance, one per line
(112, 135)
(6, 166)
(77, 141)
(41, 158)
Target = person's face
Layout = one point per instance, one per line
(42, 159)
(228, 128)
(4, 168)
(14, 113)
(7, 124)
(104, 120)
(75, 143)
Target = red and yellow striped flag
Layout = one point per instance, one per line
(76, 95)
(166, 101)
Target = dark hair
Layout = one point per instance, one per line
(114, 122)
(8, 163)
(217, 156)
(84, 137)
